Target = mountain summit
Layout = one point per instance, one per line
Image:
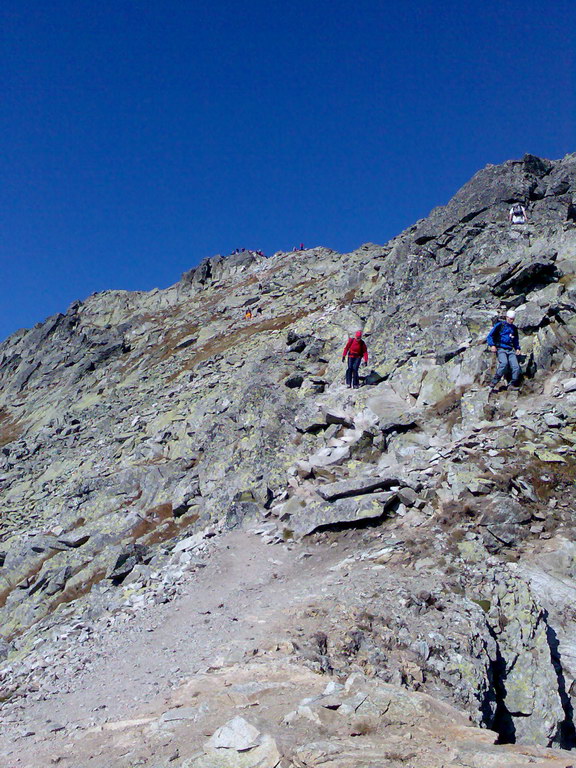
(398, 559)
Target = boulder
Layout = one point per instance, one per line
(435, 387)
(530, 316)
(327, 457)
(345, 513)
(505, 520)
(525, 277)
(265, 755)
(236, 734)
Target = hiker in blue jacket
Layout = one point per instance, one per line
(503, 340)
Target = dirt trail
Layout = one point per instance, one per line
(242, 600)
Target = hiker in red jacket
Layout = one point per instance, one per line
(356, 350)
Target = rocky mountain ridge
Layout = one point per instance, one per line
(139, 427)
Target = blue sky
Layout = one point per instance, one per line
(139, 136)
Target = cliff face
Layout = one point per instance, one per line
(136, 424)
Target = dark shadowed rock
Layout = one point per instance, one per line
(526, 277)
(295, 381)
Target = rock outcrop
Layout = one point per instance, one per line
(137, 426)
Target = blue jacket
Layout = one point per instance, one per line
(504, 335)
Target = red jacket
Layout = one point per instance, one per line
(356, 348)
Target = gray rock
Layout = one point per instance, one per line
(236, 734)
(530, 317)
(357, 487)
(504, 519)
(181, 713)
(344, 512)
(295, 381)
(522, 278)
(407, 496)
(552, 421)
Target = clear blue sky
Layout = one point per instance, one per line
(139, 136)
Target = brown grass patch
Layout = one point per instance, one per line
(72, 593)
(10, 429)
(489, 270)
(449, 407)
(455, 513)
(550, 479)
(348, 297)
(449, 403)
(175, 337)
(363, 727)
(29, 577)
(237, 336)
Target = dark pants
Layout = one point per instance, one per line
(352, 371)
(507, 359)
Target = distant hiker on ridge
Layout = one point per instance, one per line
(248, 314)
(356, 349)
(517, 214)
(503, 340)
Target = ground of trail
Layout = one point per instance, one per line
(245, 597)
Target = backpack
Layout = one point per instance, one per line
(517, 210)
(373, 378)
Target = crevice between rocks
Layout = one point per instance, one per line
(566, 737)
(501, 721)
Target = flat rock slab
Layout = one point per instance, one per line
(329, 456)
(387, 404)
(391, 411)
(180, 713)
(359, 486)
(317, 515)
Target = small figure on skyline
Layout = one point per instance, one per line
(517, 214)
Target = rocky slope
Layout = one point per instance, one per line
(138, 427)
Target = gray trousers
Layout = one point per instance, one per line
(507, 358)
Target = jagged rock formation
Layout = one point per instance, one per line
(137, 423)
